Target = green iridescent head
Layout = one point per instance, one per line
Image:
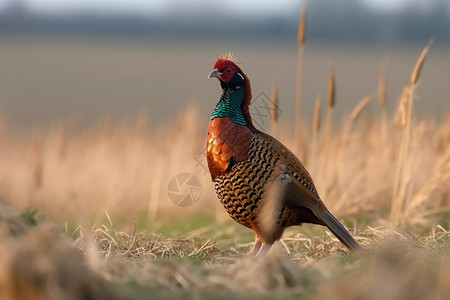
(236, 91)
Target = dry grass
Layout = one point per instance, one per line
(38, 264)
(401, 194)
(122, 170)
(118, 168)
(72, 176)
(301, 45)
(382, 82)
(105, 263)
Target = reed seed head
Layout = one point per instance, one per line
(331, 89)
(418, 67)
(274, 103)
(382, 85)
(302, 27)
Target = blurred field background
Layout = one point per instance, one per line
(101, 107)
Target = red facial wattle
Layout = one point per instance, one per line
(227, 74)
(224, 70)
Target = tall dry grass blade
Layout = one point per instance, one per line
(316, 117)
(402, 108)
(301, 42)
(401, 198)
(331, 103)
(382, 88)
(302, 27)
(62, 144)
(37, 159)
(328, 136)
(274, 108)
(274, 103)
(402, 181)
(155, 195)
(382, 101)
(315, 128)
(109, 219)
(400, 118)
(331, 89)
(359, 108)
(418, 67)
(441, 176)
(356, 112)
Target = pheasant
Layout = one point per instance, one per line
(255, 175)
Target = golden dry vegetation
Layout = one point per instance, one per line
(85, 213)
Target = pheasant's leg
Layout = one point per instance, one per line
(251, 253)
(263, 250)
(255, 248)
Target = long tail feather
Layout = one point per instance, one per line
(338, 230)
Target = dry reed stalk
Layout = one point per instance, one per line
(274, 103)
(359, 108)
(62, 144)
(382, 88)
(356, 112)
(274, 108)
(400, 197)
(327, 137)
(382, 101)
(142, 126)
(401, 118)
(301, 43)
(302, 27)
(315, 126)
(331, 89)
(316, 118)
(36, 157)
(400, 183)
(155, 194)
(441, 176)
(330, 110)
(400, 115)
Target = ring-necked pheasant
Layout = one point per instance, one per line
(247, 164)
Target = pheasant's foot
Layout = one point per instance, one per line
(263, 250)
(252, 253)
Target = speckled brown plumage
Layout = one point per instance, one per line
(242, 188)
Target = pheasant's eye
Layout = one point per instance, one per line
(228, 70)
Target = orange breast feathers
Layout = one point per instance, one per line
(226, 140)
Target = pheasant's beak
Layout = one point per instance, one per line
(215, 73)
